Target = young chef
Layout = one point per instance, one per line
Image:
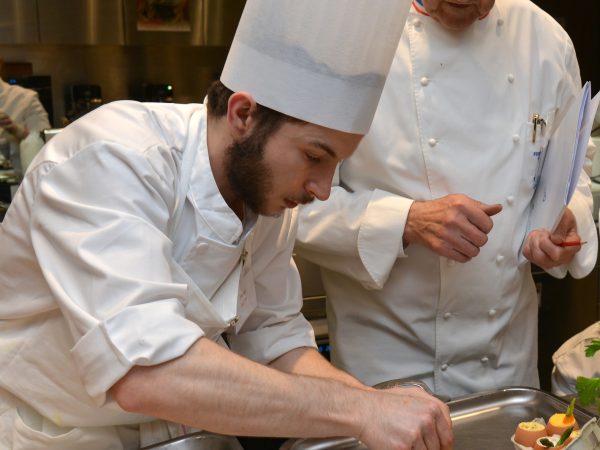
(420, 267)
(143, 232)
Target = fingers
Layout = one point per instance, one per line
(454, 226)
(545, 251)
(491, 210)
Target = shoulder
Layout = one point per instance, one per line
(135, 125)
(15, 93)
(531, 18)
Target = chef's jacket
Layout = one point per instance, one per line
(24, 108)
(454, 117)
(101, 270)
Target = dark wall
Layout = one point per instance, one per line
(581, 19)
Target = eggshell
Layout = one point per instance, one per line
(559, 422)
(528, 432)
(553, 439)
(574, 435)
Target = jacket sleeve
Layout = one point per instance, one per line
(104, 253)
(581, 203)
(358, 234)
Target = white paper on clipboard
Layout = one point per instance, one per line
(563, 163)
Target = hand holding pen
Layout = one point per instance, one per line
(572, 243)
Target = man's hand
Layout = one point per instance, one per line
(7, 124)
(407, 418)
(543, 248)
(454, 226)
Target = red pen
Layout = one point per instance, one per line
(571, 243)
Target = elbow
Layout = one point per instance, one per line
(127, 392)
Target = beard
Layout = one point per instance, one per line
(247, 173)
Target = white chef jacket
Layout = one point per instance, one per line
(571, 362)
(24, 108)
(95, 278)
(454, 117)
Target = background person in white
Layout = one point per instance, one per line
(21, 112)
(419, 244)
(143, 232)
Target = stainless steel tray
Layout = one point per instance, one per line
(479, 421)
(198, 441)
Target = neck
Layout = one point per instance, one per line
(218, 141)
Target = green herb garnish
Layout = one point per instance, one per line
(565, 436)
(546, 443)
(571, 408)
(588, 389)
(592, 348)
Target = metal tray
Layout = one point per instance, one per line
(198, 441)
(485, 420)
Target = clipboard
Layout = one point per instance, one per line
(563, 162)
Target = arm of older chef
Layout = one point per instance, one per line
(212, 388)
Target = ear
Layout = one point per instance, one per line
(240, 108)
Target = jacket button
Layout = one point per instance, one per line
(500, 22)
(444, 367)
(484, 360)
(417, 23)
(499, 258)
(447, 315)
(432, 142)
(492, 312)
(424, 81)
(510, 77)
(510, 199)
(516, 138)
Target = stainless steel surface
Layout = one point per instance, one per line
(81, 22)
(49, 133)
(480, 421)
(18, 22)
(199, 441)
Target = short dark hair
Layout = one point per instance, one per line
(268, 120)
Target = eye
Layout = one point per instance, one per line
(313, 158)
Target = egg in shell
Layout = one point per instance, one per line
(559, 423)
(528, 432)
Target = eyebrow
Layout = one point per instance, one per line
(324, 147)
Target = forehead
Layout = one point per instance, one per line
(337, 144)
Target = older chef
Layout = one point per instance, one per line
(420, 243)
(20, 113)
(144, 232)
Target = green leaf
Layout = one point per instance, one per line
(546, 443)
(588, 389)
(565, 435)
(592, 348)
(571, 408)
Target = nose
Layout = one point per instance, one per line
(320, 186)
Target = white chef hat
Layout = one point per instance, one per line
(322, 61)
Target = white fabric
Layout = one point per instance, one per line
(323, 62)
(570, 361)
(91, 284)
(24, 108)
(454, 118)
